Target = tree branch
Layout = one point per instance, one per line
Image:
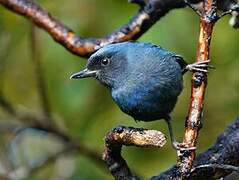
(198, 89)
(128, 136)
(223, 152)
(149, 13)
(140, 23)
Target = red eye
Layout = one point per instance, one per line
(105, 62)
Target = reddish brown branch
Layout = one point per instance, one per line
(128, 136)
(150, 12)
(140, 23)
(199, 84)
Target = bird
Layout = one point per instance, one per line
(144, 79)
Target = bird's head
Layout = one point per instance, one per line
(107, 65)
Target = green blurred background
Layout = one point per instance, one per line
(86, 108)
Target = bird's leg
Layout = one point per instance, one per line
(201, 66)
(175, 144)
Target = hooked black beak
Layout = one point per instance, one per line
(84, 74)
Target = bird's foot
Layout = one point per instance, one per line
(181, 148)
(201, 66)
(119, 129)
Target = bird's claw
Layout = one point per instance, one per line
(201, 66)
(182, 147)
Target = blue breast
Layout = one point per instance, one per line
(143, 104)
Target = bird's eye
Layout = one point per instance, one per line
(105, 62)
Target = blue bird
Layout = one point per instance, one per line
(144, 79)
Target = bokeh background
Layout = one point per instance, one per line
(85, 107)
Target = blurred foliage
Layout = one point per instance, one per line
(86, 107)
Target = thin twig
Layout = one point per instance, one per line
(193, 7)
(33, 170)
(39, 74)
(36, 123)
(4, 102)
(233, 8)
(69, 148)
(4, 52)
(7, 106)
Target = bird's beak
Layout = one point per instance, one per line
(84, 74)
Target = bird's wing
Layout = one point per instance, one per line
(159, 53)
